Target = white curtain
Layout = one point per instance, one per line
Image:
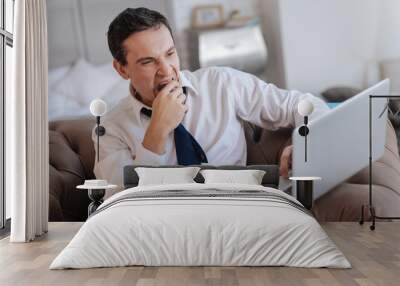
(27, 124)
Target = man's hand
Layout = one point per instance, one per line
(168, 112)
(286, 161)
(168, 108)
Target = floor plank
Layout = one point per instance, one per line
(374, 255)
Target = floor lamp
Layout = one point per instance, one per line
(370, 204)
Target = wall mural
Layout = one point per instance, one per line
(117, 89)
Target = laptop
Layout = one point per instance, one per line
(338, 142)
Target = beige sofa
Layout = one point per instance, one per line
(347, 197)
(72, 157)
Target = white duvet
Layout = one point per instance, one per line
(182, 231)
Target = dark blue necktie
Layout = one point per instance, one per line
(188, 151)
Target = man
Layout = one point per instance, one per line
(141, 129)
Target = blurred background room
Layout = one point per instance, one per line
(328, 48)
(332, 49)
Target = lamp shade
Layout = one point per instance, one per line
(98, 107)
(305, 107)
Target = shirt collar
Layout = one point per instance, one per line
(136, 105)
(186, 82)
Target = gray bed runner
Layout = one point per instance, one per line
(206, 194)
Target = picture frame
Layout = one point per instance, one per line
(207, 16)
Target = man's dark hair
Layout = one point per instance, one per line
(128, 22)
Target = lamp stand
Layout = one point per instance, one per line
(303, 131)
(100, 131)
(96, 197)
(370, 205)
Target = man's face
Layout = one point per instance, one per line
(152, 62)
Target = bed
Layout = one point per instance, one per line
(201, 224)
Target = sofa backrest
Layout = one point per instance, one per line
(71, 145)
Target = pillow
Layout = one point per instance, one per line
(56, 75)
(86, 82)
(62, 107)
(339, 93)
(248, 177)
(117, 92)
(270, 179)
(162, 176)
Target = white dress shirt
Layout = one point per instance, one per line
(219, 99)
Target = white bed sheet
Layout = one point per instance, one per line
(207, 231)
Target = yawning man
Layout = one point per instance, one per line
(180, 117)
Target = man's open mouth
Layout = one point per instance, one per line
(163, 84)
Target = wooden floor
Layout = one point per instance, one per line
(374, 255)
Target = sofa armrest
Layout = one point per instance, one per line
(343, 203)
(65, 172)
(386, 170)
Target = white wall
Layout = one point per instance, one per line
(329, 43)
(268, 11)
(326, 43)
(388, 38)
